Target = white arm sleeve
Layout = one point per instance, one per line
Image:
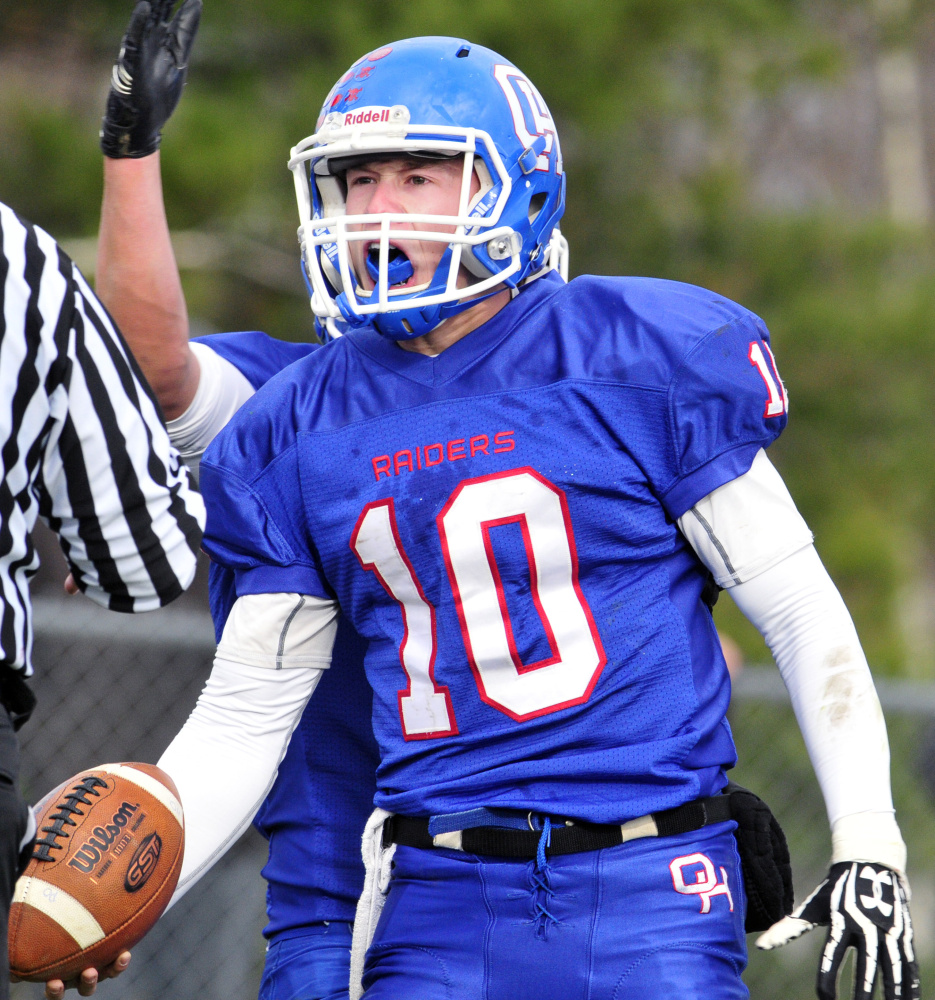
(746, 526)
(809, 631)
(224, 759)
(756, 544)
(222, 390)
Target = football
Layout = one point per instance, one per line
(106, 861)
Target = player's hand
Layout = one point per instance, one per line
(71, 588)
(148, 77)
(866, 907)
(87, 982)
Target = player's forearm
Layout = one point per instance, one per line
(138, 279)
(813, 640)
(225, 758)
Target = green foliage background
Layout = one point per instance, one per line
(848, 296)
(848, 299)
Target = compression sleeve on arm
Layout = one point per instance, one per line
(222, 390)
(746, 526)
(224, 759)
(809, 631)
(756, 544)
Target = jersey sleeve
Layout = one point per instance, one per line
(746, 526)
(257, 356)
(725, 402)
(251, 482)
(222, 390)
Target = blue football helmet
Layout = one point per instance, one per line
(430, 97)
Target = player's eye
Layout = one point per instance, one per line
(419, 180)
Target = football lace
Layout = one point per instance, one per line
(62, 817)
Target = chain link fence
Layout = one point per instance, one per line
(114, 687)
(773, 763)
(118, 687)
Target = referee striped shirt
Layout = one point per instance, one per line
(83, 445)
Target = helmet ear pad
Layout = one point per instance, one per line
(550, 212)
(543, 208)
(330, 194)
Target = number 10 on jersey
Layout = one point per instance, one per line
(520, 690)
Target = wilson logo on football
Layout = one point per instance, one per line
(96, 846)
(143, 863)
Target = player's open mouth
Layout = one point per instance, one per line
(399, 268)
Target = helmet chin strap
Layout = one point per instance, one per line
(403, 324)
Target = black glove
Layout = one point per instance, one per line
(866, 907)
(148, 77)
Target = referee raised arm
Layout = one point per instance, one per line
(83, 445)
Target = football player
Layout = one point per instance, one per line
(518, 491)
(323, 793)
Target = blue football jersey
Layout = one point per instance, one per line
(257, 356)
(315, 812)
(499, 525)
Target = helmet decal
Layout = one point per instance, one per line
(529, 112)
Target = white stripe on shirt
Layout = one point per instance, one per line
(82, 444)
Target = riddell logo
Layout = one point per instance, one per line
(366, 115)
(143, 863)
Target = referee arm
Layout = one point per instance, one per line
(129, 519)
(89, 436)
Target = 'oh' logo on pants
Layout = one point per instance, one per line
(694, 875)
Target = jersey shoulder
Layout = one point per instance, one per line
(253, 489)
(706, 360)
(284, 405)
(649, 330)
(256, 355)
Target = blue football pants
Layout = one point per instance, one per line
(653, 919)
(311, 963)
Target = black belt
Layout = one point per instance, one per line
(567, 836)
